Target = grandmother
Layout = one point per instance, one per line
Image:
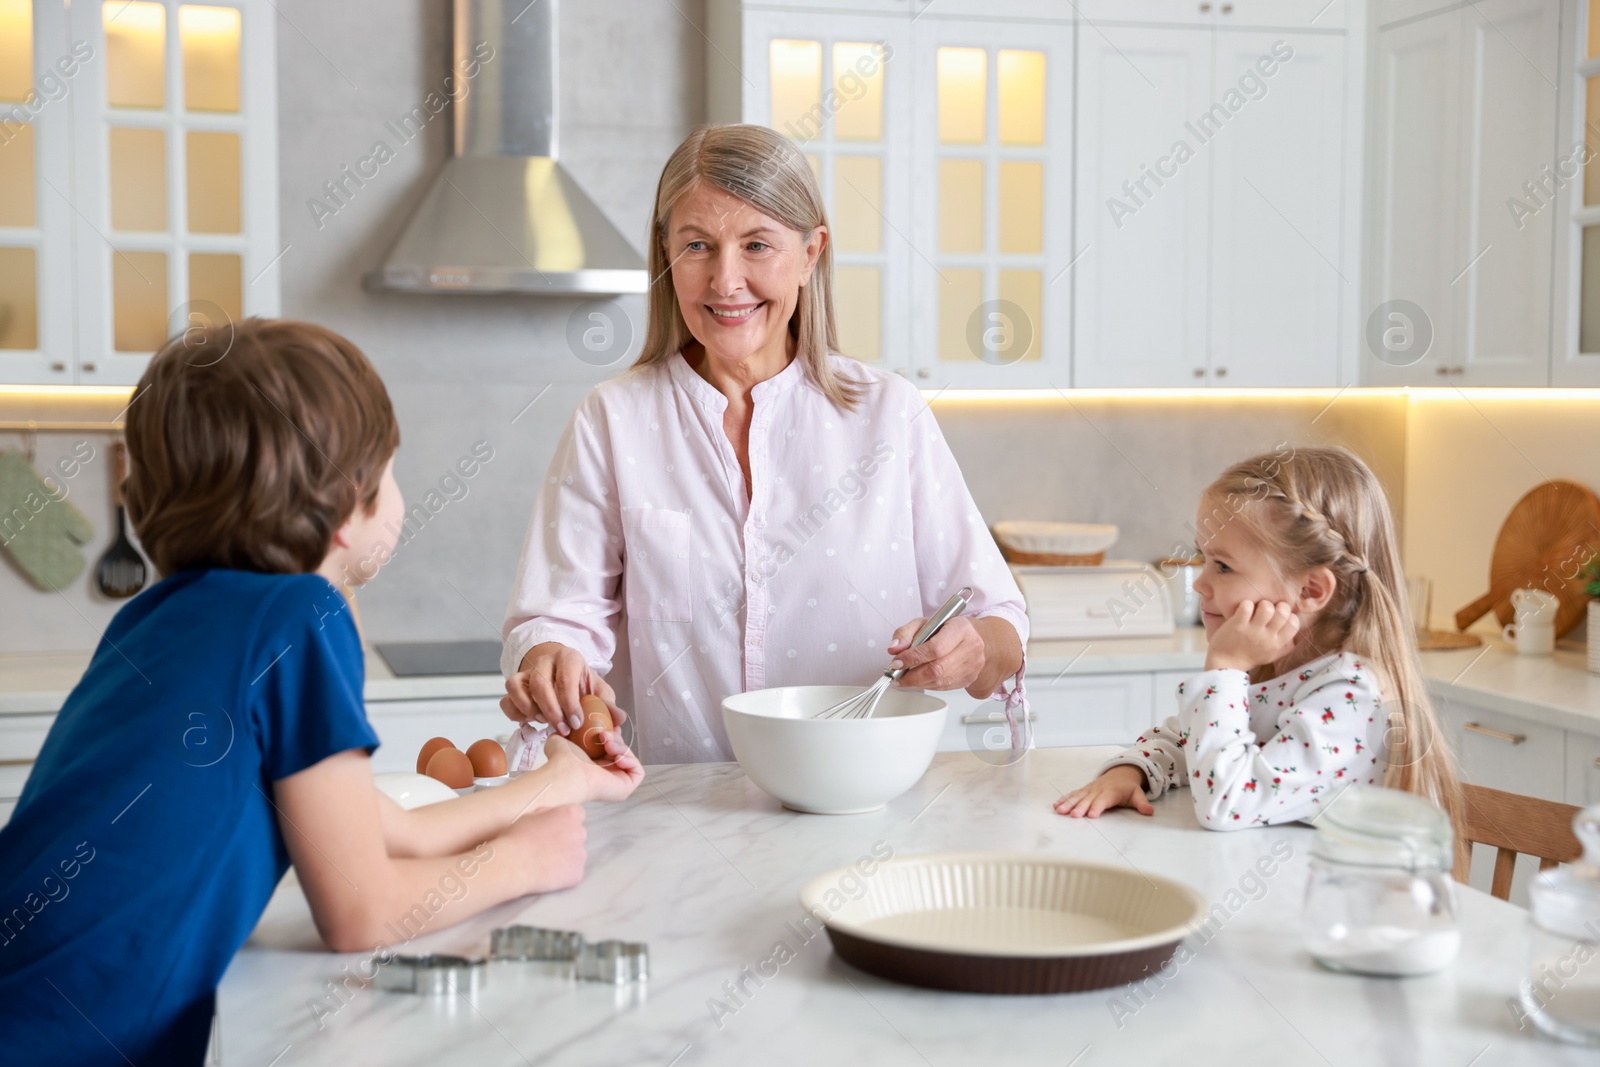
(747, 507)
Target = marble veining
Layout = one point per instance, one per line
(706, 868)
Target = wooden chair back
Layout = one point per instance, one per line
(1514, 824)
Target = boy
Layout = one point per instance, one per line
(219, 731)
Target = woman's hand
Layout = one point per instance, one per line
(1258, 631)
(953, 658)
(1119, 787)
(547, 687)
(611, 779)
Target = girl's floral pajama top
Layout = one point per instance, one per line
(1273, 752)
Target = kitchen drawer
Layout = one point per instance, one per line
(1583, 769)
(1089, 709)
(1504, 752)
(403, 725)
(21, 738)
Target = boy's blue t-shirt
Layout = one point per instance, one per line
(145, 845)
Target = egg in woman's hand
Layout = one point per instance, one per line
(488, 759)
(429, 747)
(597, 722)
(452, 767)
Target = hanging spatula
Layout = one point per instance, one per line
(121, 571)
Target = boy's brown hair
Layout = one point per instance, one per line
(250, 443)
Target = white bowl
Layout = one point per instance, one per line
(411, 790)
(832, 766)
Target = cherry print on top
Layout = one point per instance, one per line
(1274, 752)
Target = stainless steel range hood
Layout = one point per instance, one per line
(504, 216)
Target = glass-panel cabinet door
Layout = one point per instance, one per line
(1577, 296)
(38, 66)
(175, 170)
(839, 89)
(992, 204)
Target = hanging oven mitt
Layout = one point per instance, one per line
(38, 528)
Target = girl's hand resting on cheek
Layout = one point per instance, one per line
(1119, 787)
(1258, 631)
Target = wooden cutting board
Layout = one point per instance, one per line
(1545, 542)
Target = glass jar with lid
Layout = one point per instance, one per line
(1380, 899)
(1561, 994)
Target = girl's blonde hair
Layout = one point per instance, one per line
(1323, 507)
(766, 171)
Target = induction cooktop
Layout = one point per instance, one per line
(409, 659)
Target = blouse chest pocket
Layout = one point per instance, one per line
(656, 568)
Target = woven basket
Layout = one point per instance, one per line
(1051, 559)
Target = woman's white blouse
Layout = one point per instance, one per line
(644, 555)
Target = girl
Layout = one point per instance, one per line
(1311, 679)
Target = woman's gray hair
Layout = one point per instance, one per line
(769, 173)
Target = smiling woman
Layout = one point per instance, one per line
(657, 540)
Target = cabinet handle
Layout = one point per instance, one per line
(58, 366)
(88, 368)
(1222, 372)
(1227, 9)
(1498, 735)
(924, 372)
(999, 716)
(1458, 370)
(1204, 8)
(1199, 372)
(16, 763)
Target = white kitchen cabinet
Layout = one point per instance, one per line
(1087, 709)
(1464, 114)
(1227, 14)
(1166, 692)
(1210, 208)
(991, 203)
(403, 725)
(1583, 769)
(839, 86)
(1141, 305)
(21, 738)
(1278, 291)
(150, 201)
(1515, 755)
(946, 173)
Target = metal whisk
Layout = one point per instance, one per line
(864, 703)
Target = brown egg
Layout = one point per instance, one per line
(429, 747)
(451, 766)
(488, 759)
(596, 720)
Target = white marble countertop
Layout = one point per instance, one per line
(706, 868)
(1557, 690)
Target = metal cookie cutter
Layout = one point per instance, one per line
(431, 975)
(618, 962)
(534, 943)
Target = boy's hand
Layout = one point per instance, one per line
(548, 846)
(1119, 787)
(1258, 631)
(611, 779)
